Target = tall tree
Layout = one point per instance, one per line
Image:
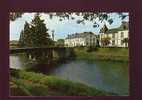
(39, 35)
(106, 40)
(35, 34)
(25, 36)
(104, 29)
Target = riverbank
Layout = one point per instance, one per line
(112, 54)
(23, 83)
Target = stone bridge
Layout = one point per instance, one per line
(34, 53)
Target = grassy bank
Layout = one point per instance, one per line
(24, 83)
(114, 54)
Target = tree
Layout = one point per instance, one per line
(104, 29)
(35, 34)
(105, 41)
(60, 42)
(86, 16)
(14, 15)
(25, 36)
(40, 37)
(124, 25)
(125, 40)
(21, 40)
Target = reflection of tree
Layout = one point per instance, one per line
(112, 74)
(23, 59)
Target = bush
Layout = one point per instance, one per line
(36, 84)
(92, 48)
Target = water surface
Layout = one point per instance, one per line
(103, 75)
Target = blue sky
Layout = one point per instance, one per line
(61, 28)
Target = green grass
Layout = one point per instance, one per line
(114, 54)
(24, 83)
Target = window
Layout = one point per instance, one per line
(113, 42)
(122, 34)
(121, 42)
(113, 35)
(94, 39)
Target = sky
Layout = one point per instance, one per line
(61, 28)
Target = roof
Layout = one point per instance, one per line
(123, 26)
(79, 35)
(115, 30)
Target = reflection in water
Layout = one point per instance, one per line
(104, 75)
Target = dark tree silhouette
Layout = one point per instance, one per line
(25, 36)
(105, 41)
(35, 34)
(125, 40)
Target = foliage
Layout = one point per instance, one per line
(60, 42)
(14, 15)
(125, 40)
(104, 29)
(25, 36)
(92, 48)
(35, 34)
(105, 41)
(37, 84)
(86, 16)
(13, 44)
(40, 37)
(123, 26)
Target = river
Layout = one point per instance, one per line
(103, 75)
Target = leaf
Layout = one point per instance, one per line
(110, 21)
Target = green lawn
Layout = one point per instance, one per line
(115, 54)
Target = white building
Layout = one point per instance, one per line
(116, 36)
(81, 39)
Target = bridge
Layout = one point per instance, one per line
(44, 52)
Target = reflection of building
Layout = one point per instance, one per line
(118, 37)
(81, 39)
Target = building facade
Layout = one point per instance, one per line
(116, 39)
(81, 39)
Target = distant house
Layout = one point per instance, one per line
(81, 39)
(13, 43)
(118, 36)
